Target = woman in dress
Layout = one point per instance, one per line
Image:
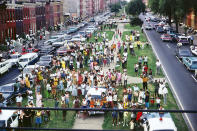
(38, 100)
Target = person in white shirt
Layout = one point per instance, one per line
(158, 67)
(19, 100)
(158, 100)
(165, 92)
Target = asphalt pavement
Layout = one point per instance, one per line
(183, 86)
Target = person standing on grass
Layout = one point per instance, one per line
(19, 100)
(76, 104)
(140, 61)
(158, 67)
(147, 99)
(156, 85)
(165, 93)
(145, 81)
(114, 115)
(125, 79)
(136, 69)
(120, 106)
(38, 118)
(146, 60)
(38, 100)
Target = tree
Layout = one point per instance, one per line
(135, 7)
(115, 7)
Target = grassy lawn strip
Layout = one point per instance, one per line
(171, 104)
(56, 120)
(109, 36)
(132, 60)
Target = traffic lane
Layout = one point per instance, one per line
(9, 77)
(182, 82)
(177, 72)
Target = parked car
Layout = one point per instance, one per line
(92, 20)
(14, 58)
(64, 50)
(29, 50)
(153, 122)
(166, 37)
(27, 59)
(166, 27)
(160, 29)
(72, 30)
(8, 118)
(28, 70)
(78, 38)
(4, 66)
(45, 61)
(148, 27)
(96, 93)
(183, 39)
(9, 92)
(190, 63)
(83, 33)
(194, 50)
(180, 53)
(47, 50)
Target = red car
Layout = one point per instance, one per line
(64, 50)
(29, 50)
(166, 37)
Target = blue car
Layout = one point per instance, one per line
(9, 92)
(190, 63)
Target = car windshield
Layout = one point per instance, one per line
(194, 62)
(53, 37)
(184, 52)
(14, 56)
(6, 88)
(45, 58)
(23, 60)
(62, 49)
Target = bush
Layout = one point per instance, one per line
(136, 21)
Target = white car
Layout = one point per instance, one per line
(166, 27)
(155, 123)
(78, 38)
(194, 50)
(28, 70)
(148, 27)
(8, 118)
(4, 66)
(14, 58)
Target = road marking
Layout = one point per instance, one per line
(168, 46)
(174, 92)
(178, 59)
(194, 78)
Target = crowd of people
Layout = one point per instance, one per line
(86, 67)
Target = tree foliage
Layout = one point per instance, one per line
(135, 7)
(135, 21)
(173, 9)
(115, 7)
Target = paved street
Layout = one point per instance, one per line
(183, 85)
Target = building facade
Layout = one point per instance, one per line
(3, 23)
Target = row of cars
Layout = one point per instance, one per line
(187, 56)
(168, 34)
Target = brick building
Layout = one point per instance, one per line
(3, 23)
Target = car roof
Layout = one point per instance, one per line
(6, 114)
(156, 124)
(31, 66)
(193, 58)
(28, 55)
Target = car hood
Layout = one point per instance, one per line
(7, 95)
